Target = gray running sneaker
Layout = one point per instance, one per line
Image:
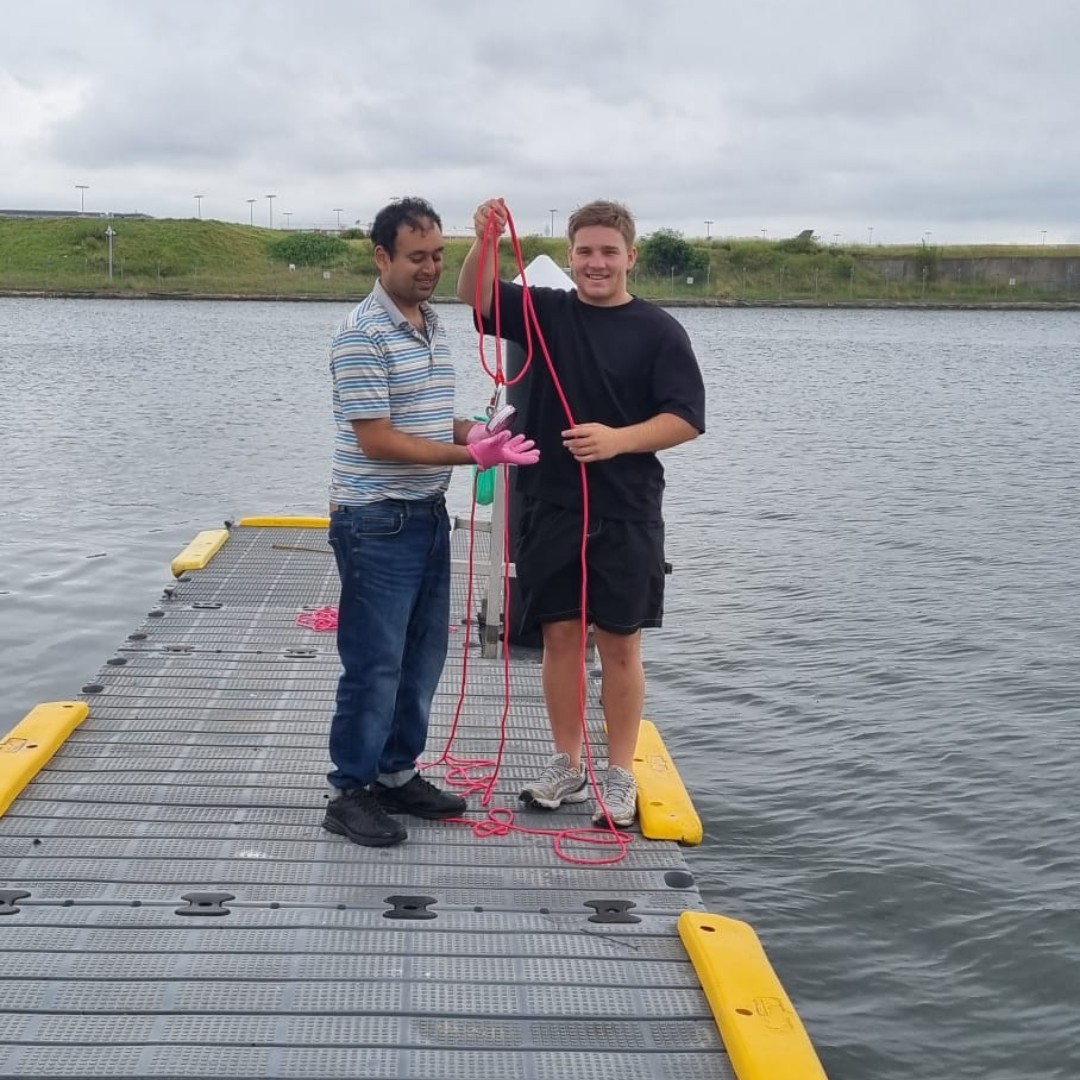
(558, 784)
(620, 798)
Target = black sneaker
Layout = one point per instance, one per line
(419, 797)
(357, 815)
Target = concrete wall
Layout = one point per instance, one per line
(1053, 273)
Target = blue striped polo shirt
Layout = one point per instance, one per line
(383, 366)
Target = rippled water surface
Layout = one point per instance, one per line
(870, 672)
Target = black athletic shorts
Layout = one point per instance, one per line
(625, 561)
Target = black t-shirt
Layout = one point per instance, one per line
(618, 366)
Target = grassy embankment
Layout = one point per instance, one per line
(200, 258)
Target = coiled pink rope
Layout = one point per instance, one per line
(322, 621)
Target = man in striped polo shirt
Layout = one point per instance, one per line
(396, 442)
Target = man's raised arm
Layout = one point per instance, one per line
(469, 276)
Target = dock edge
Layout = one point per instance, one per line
(762, 1033)
(665, 810)
(286, 522)
(197, 554)
(29, 745)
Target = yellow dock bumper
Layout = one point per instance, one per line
(197, 555)
(764, 1036)
(287, 522)
(665, 811)
(27, 748)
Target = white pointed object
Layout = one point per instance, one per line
(544, 270)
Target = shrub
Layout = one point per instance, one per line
(667, 250)
(927, 262)
(309, 249)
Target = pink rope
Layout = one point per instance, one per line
(322, 621)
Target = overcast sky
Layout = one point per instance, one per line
(953, 117)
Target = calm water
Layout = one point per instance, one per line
(870, 675)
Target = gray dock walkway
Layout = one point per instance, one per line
(186, 916)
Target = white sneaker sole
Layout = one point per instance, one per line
(530, 798)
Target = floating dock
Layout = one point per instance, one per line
(171, 907)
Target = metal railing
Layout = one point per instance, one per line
(492, 573)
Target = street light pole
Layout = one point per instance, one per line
(271, 199)
(251, 211)
(870, 236)
(337, 210)
(553, 213)
(82, 197)
(708, 228)
(110, 233)
(198, 202)
(1044, 238)
(287, 214)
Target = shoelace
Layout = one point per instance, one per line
(620, 787)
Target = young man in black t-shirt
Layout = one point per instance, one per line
(633, 387)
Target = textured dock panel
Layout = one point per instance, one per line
(171, 906)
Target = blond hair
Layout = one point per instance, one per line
(604, 212)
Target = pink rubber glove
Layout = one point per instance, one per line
(503, 449)
(475, 434)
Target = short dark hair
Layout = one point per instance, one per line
(611, 215)
(416, 213)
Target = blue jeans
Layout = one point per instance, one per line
(393, 630)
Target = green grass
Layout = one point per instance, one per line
(79, 245)
(186, 257)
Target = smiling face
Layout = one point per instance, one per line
(599, 262)
(412, 271)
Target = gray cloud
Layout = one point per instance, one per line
(952, 117)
